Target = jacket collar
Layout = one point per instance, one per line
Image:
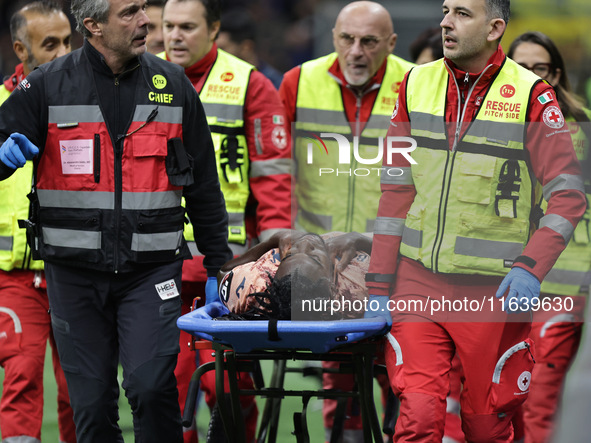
(98, 63)
(196, 71)
(11, 82)
(494, 64)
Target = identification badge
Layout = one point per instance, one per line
(76, 156)
(167, 289)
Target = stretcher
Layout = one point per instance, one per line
(240, 345)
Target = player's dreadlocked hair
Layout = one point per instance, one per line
(288, 293)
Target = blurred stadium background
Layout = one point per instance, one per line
(290, 32)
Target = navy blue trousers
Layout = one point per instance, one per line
(100, 319)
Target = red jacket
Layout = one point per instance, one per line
(272, 194)
(545, 245)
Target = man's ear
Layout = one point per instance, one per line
(497, 29)
(93, 26)
(213, 30)
(21, 51)
(392, 42)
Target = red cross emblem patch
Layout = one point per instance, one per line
(553, 117)
(524, 380)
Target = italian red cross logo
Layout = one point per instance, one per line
(524, 380)
(553, 117)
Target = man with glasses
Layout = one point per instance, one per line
(350, 94)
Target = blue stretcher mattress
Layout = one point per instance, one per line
(247, 335)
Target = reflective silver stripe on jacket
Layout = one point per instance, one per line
(397, 349)
(235, 218)
(502, 132)
(21, 439)
(166, 114)
(377, 121)
(560, 318)
(18, 328)
(230, 112)
(6, 243)
(324, 221)
(236, 249)
(508, 353)
(72, 238)
(319, 116)
(494, 131)
(565, 277)
(264, 168)
(558, 224)
(92, 114)
(396, 176)
(412, 237)
(106, 200)
(156, 241)
(423, 121)
(388, 226)
(563, 182)
(476, 247)
(75, 114)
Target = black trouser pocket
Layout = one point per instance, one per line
(65, 345)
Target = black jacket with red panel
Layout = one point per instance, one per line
(115, 160)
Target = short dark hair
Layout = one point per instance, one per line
(239, 24)
(213, 10)
(18, 21)
(499, 9)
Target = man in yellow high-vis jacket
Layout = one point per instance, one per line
(40, 32)
(339, 106)
(252, 145)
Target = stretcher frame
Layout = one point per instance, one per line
(240, 345)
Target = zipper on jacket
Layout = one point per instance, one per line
(97, 158)
(118, 155)
(351, 195)
(465, 87)
(446, 182)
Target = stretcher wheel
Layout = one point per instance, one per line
(215, 432)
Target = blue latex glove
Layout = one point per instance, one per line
(212, 310)
(523, 287)
(211, 290)
(382, 308)
(209, 312)
(16, 150)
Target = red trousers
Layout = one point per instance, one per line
(494, 351)
(25, 327)
(557, 336)
(188, 362)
